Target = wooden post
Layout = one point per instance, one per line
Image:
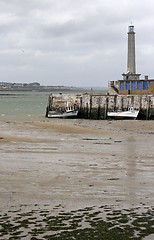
(149, 116)
(127, 102)
(140, 102)
(87, 110)
(122, 103)
(132, 101)
(90, 106)
(81, 108)
(148, 108)
(98, 110)
(115, 102)
(106, 107)
(80, 103)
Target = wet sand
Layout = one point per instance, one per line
(76, 164)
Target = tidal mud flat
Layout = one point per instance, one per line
(77, 179)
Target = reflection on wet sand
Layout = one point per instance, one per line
(131, 169)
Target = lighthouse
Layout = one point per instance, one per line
(131, 61)
(131, 82)
(131, 65)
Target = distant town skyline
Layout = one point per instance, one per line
(73, 43)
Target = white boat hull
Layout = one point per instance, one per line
(132, 114)
(69, 114)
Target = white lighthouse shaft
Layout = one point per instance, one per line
(131, 66)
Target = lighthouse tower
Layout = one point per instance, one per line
(131, 65)
(131, 62)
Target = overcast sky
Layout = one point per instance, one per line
(73, 42)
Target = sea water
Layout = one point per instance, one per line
(23, 106)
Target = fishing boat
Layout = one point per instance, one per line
(68, 113)
(131, 113)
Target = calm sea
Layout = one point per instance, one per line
(28, 106)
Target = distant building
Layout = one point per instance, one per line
(131, 82)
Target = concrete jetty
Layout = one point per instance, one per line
(95, 106)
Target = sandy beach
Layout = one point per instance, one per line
(76, 164)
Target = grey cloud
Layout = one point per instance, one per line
(72, 42)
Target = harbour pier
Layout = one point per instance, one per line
(95, 106)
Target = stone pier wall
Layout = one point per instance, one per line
(95, 106)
